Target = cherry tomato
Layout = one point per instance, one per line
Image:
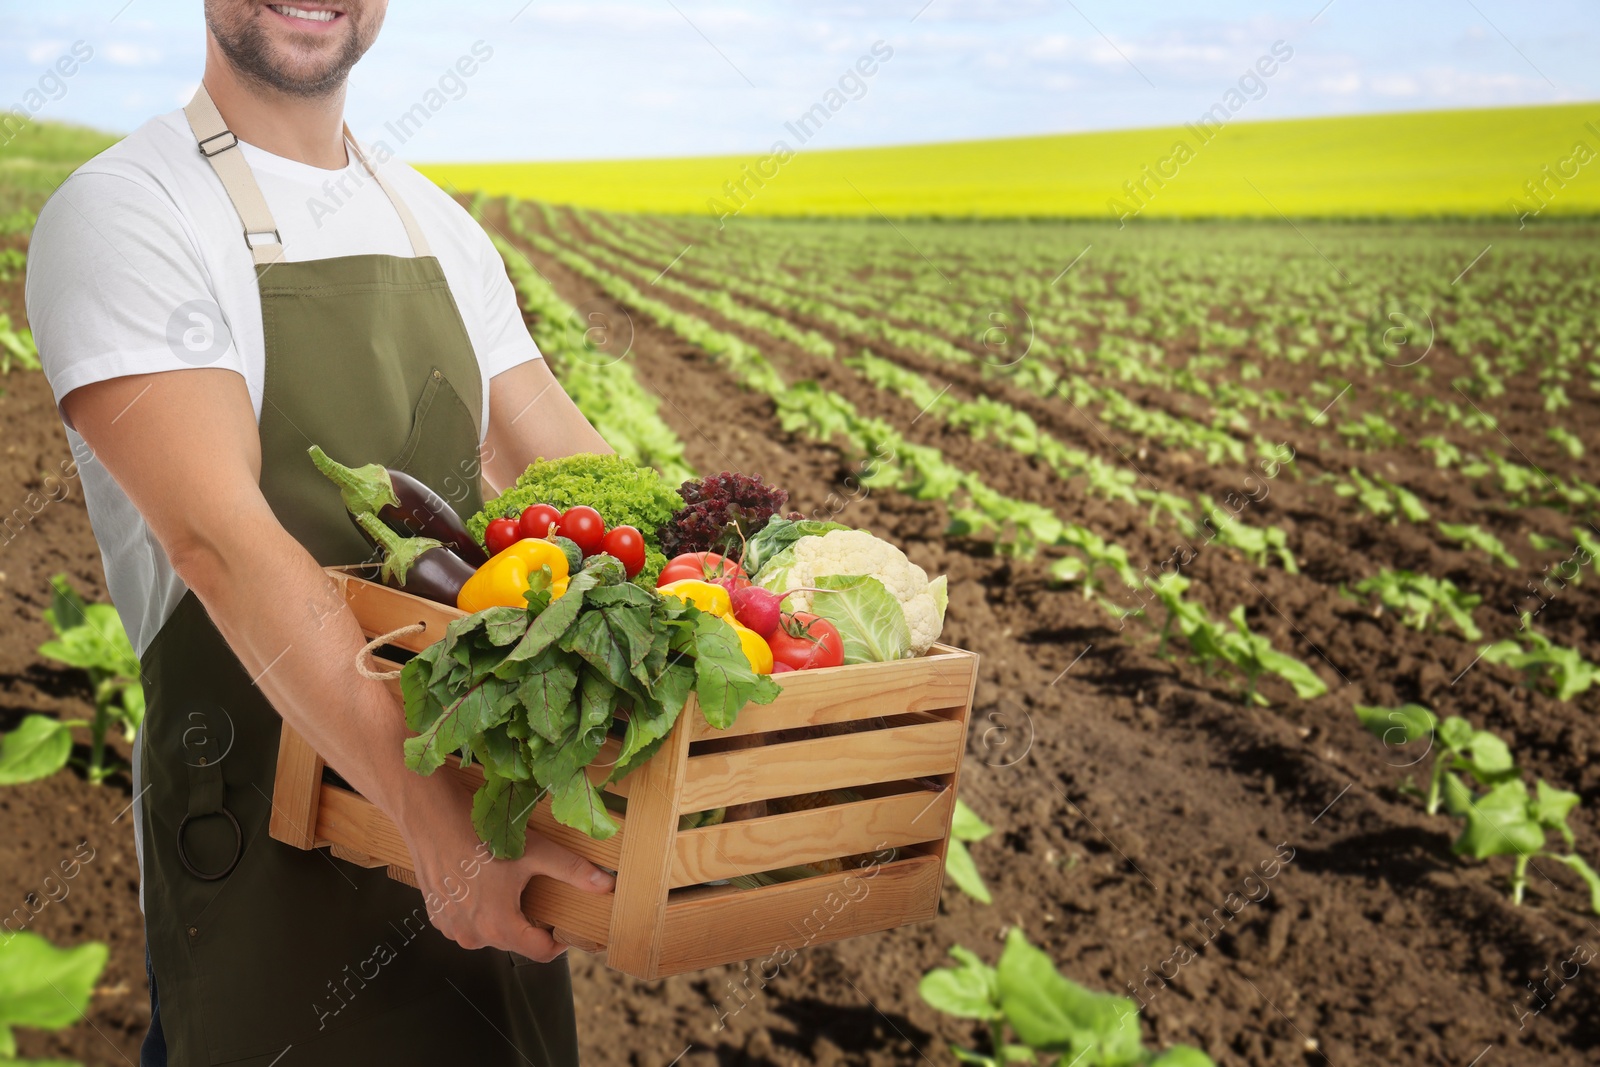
(585, 527)
(805, 641)
(627, 544)
(705, 567)
(537, 519)
(501, 535)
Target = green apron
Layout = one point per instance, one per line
(264, 953)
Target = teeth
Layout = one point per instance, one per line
(302, 13)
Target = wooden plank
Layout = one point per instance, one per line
(351, 821)
(942, 679)
(382, 610)
(584, 917)
(953, 780)
(764, 844)
(769, 923)
(719, 778)
(633, 944)
(296, 791)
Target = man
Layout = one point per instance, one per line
(204, 319)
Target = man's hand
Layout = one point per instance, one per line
(475, 900)
(184, 446)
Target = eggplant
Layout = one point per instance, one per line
(420, 566)
(405, 504)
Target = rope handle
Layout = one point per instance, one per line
(369, 650)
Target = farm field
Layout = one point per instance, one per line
(1411, 164)
(1372, 443)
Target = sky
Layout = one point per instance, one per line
(645, 78)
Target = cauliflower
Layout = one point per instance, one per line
(856, 552)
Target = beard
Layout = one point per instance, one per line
(250, 50)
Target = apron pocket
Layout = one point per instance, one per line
(440, 415)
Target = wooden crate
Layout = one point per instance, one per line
(902, 760)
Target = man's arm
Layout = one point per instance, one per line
(530, 416)
(184, 447)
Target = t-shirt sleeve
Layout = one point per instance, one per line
(507, 342)
(116, 287)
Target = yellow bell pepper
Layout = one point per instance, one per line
(707, 596)
(504, 579)
(755, 648)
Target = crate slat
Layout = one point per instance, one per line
(721, 778)
(294, 805)
(859, 691)
(585, 916)
(748, 924)
(641, 892)
(351, 821)
(753, 845)
(382, 610)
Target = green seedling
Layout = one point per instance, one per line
(1418, 598)
(1383, 498)
(1032, 1012)
(1215, 646)
(16, 347)
(965, 829)
(1505, 819)
(1560, 671)
(1569, 441)
(43, 987)
(1474, 536)
(91, 638)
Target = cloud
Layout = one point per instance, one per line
(123, 54)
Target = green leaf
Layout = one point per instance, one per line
(724, 681)
(1551, 808)
(1456, 733)
(500, 811)
(503, 755)
(1488, 759)
(1404, 725)
(504, 626)
(547, 693)
(555, 620)
(1587, 873)
(965, 824)
(970, 991)
(1499, 823)
(1182, 1056)
(37, 748)
(614, 641)
(1052, 1014)
(43, 987)
(869, 618)
(462, 720)
(575, 802)
(958, 864)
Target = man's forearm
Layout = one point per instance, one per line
(298, 640)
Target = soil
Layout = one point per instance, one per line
(1137, 801)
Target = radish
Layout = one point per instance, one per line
(757, 608)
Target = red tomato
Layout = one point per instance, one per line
(627, 545)
(584, 526)
(537, 519)
(705, 567)
(501, 535)
(805, 641)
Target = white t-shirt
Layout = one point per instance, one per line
(142, 239)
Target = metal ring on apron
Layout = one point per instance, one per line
(238, 848)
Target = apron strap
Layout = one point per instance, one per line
(419, 243)
(261, 236)
(217, 144)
